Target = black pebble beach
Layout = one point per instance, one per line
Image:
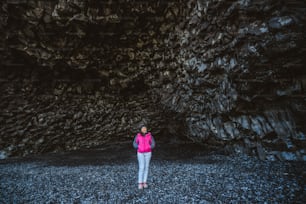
(180, 174)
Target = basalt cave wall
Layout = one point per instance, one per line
(81, 73)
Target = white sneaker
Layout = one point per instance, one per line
(145, 185)
(140, 186)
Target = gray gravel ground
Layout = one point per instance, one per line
(95, 176)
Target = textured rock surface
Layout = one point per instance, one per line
(81, 73)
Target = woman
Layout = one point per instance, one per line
(144, 143)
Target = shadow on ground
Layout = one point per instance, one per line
(121, 153)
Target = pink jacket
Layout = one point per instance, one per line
(144, 143)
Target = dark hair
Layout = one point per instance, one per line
(143, 126)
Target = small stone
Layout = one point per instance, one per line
(279, 22)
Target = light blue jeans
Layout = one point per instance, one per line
(143, 162)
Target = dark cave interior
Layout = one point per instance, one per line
(79, 74)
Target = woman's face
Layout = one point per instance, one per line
(143, 129)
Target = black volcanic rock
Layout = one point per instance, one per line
(81, 73)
